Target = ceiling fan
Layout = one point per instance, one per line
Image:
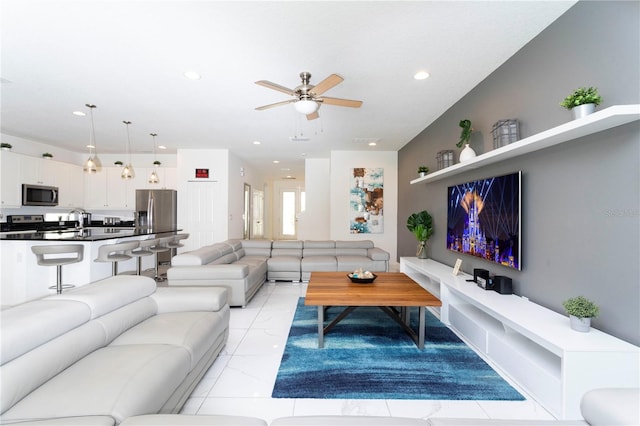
(307, 96)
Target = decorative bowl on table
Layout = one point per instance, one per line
(362, 279)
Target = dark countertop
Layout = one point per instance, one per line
(87, 234)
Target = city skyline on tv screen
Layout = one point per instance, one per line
(483, 219)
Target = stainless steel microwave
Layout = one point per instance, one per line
(38, 195)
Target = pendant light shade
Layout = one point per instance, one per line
(92, 165)
(127, 171)
(153, 177)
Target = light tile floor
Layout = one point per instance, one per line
(241, 379)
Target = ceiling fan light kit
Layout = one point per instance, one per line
(306, 106)
(307, 96)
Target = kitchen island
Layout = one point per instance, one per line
(22, 279)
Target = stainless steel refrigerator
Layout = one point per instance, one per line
(156, 209)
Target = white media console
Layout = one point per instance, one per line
(534, 346)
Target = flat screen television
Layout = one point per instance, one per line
(483, 219)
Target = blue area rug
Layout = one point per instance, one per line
(368, 356)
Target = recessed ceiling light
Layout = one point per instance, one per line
(372, 144)
(192, 75)
(275, 161)
(256, 142)
(421, 75)
(162, 147)
(91, 146)
(79, 113)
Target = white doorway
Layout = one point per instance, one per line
(291, 202)
(201, 215)
(257, 218)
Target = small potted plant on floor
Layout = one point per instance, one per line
(421, 225)
(580, 311)
(582, 101)
(423, 170)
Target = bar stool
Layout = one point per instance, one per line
(161, 246)
(43, 255)
(141, 251)
(175, 243)
(115, 253)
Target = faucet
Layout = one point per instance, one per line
(80, 212)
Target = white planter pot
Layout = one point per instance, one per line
(582, 325)
(582, 110)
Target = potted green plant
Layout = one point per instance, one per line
(5, 145)
(47, 155)
(582, 101)
(118, 163)
(421, 226)
(156, 163)
(423, 170)
(580, 311)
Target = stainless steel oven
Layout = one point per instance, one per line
(38, 195)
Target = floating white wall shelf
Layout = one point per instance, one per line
(598, 121)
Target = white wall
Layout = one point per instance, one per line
(313, 223)
(342, 164)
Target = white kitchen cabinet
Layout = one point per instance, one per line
(105, 190)
(71, 185)
(39, 171)
(11, 180)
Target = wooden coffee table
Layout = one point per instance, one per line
(393, 292)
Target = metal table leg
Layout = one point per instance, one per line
(320, 326)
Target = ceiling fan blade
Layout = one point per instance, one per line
(275, 86)
(341, 102)
(277, 104)
(326, 84)
(313, 116)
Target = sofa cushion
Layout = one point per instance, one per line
(70, 421)
(120, 381)
(225, 259)
(110, 293)
(192, 420)
(28, 372)
(208, 272)
(319, 263)
(358, 244)
(257, 248)
(284, 263)
(21, 327)
(194, 331)
(351, 263)
(611, 406)
(310, 244)
(346, 421)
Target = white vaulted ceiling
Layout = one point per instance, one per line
(128, 58)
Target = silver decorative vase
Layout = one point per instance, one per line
(582, 325)
(422, 250)
(582, 110)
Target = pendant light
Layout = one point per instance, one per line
(127, 171)
(153, 177)
(92, 165)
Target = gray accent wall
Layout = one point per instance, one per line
(581, 199)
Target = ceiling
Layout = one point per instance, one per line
(129, 58)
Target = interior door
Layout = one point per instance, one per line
(201, 215)
(291, 203)
(246, 215)
(257, 218)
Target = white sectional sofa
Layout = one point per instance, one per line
(109, 350)
(242, 266)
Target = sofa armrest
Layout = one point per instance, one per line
(185, 299)
(611, 406)
(213, 272)
(377, 253)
